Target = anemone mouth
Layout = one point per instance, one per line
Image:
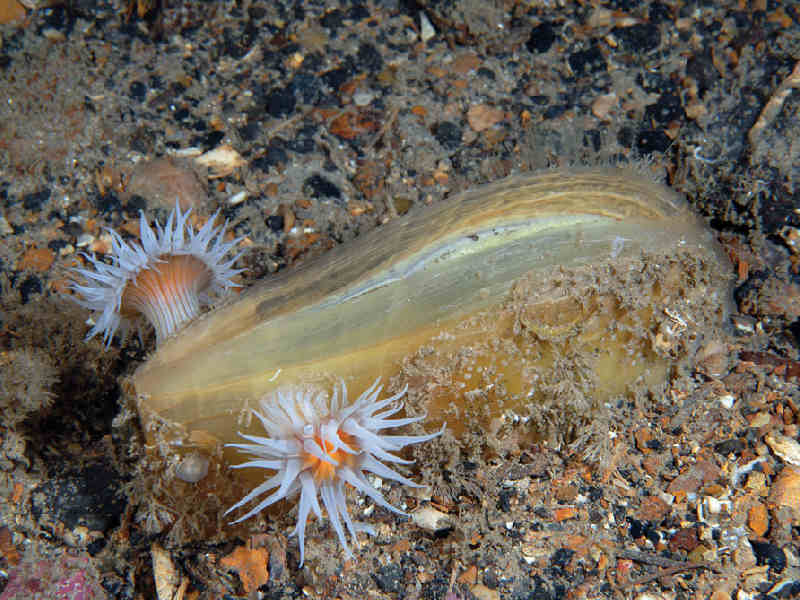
(167, 292)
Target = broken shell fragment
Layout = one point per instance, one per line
(532, 300)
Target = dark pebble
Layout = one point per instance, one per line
(541, 38)
(389, 579)
(71, 229)
(181, 114)
(31, 285)
(700, 67)
(274, 155)
(555, 111)
(561, 558)
(540, 100)
(448, 134)
(138, 91)
(210, 140)
(303, 142)
(504, 500)
(336, 77)
(769, 554)
(319, 187)
(734, 446)
(280, 103)
(486, 73)
(56, 244)
(88, 497)
(659, 12)
(275, 223)
(652, 141)
(35, 200)
(107, 203)
(369, 58)
(307, 87)
(135, 205)
(59, 18)
(667, 108)
(638, 38)
(590, 60)
(332, 19)
(117, 587)
(96, 546)
(655, 445)
(250, 131)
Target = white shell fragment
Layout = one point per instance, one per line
(192, 468)
(220, 161)
(785, 447)
(430, 519)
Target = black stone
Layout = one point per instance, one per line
(71, 229)
(369, 58)
(280, 102)
(303, 142)
(107, 203)
(700, 67)
(769, 554)
(274, 155)
(307, 87)
(652, 141)
(250, 131)
(666, 109)
(138, 91)
(389, 579)
(541, 38)
(590, 60)
(57, 244)
(555, 111)
(31, 285)
(332, 19)
(135, 205)
(88, 497)
(659, 13)
(211, 140)
(35, 200)
(95, 547)
(448, 134)
(336, 77)
(733, 446)
(504, 500)
(275, 223)
(319, 187)
(655, 445)
(642, 37)
(561, 558)
(180, 114)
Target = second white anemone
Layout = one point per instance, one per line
(316, 445)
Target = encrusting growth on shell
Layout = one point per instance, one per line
(165, 278)
(316, 445)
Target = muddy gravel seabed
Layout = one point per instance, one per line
(310, 123)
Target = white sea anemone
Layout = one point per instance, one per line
(165, 278)
(315, 446)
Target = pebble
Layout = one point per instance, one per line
(481, 592)
(785, 489)
(430, 519)
(785, 447)
(426, 30)
(192, 468)
(165, 574)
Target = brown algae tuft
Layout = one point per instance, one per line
(525, 304)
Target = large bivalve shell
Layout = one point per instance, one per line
(547, 292)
